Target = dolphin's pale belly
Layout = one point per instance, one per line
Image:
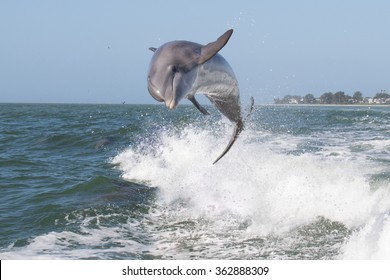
(217, 81)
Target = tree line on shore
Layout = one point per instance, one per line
(335, 98)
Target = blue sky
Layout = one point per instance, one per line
(91, 51)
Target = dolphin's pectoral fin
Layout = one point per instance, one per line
(197, 105)
(152, 49)
(237, 130)
(209, 50)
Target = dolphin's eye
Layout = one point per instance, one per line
(174, 69)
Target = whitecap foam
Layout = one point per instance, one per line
(372, 241)
(99, 242)
(275, 191)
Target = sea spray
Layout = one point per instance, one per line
(267, 191)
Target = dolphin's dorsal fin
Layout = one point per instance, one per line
(152, 49)
(209, 50)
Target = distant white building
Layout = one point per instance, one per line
(368, 100)
(380, 100)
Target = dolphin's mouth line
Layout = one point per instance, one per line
(172, 103)
(169, 92)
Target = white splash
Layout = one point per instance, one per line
(276, 192)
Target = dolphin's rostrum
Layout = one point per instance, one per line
(180, 69)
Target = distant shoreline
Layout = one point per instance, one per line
(183, 105)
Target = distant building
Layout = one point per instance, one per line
(368, 100)
(381, 100)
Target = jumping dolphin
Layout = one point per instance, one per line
(180, 69)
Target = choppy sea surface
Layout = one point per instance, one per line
(137, 182)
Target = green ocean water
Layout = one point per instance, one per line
(137, 182)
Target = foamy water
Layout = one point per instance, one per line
(272, 193)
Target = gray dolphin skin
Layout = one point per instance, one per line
(180, 69)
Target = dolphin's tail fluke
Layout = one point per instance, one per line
(237, 130)
(250, 108)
